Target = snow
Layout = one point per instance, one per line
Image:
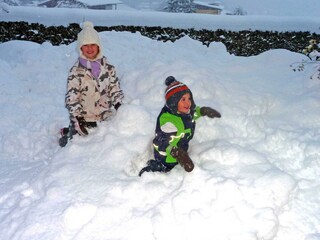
(100, 2)
(256, 170)
(49, 16)
(4, 8)
(274, 7)
(213, 6)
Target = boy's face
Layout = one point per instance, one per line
(90, 51)
(184, 104)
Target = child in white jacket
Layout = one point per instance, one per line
(93, 89)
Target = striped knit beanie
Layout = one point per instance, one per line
(174, 92)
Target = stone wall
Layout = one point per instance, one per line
(241, 43)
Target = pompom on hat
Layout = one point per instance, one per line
(88, 35)
(174, 92)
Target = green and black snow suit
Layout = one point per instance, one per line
(173, 130)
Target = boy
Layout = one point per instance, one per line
(175, 128)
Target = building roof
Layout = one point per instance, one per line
(208, 5)
(99, 2)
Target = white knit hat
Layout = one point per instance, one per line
(89, 35)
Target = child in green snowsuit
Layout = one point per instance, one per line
(175, 128)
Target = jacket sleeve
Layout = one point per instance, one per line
(171, 126)
(73, 95)
(165, 130)
(115, 92)
(197, 113)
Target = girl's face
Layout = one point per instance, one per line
(90, 51)
(184, 104)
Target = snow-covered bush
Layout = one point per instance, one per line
(185, 6)
(312, 51)
(239, 11)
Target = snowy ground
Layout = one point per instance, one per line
(256, 170)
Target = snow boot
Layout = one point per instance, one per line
(153, 166)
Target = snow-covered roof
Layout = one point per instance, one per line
(99, 2)
(213, 6)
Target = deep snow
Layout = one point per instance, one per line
(256, 170)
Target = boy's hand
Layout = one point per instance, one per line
(182, 158)
(209, 112)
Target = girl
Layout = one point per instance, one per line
(93, 88)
